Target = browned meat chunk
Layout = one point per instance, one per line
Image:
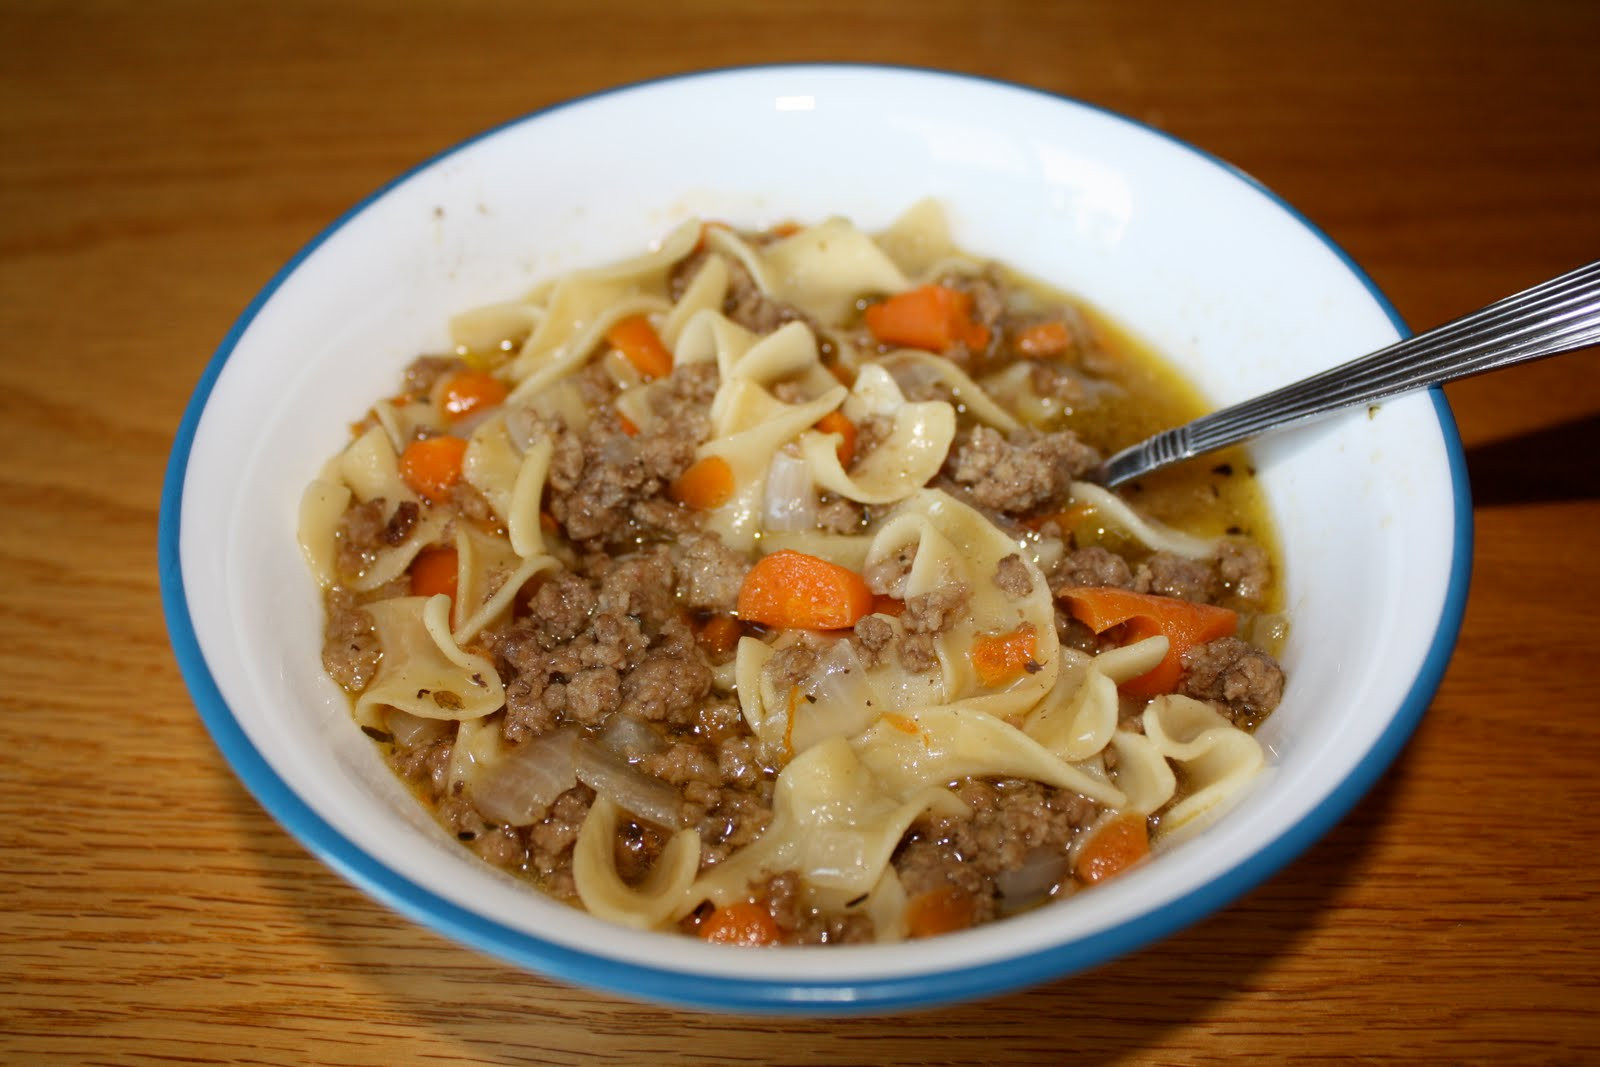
(425, 371)
(710, 573)
(360, 536)
(1243, 568)
(1012, 577)
(350, 650)
(839, 515)
(937, 610)
(1092, 566)
(806, 926)
(885, 576)
(873, 635)
(1242, 680)
(1166, 574)
(1022, 473)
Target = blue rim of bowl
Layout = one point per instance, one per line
(664, 985)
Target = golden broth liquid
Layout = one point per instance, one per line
(1208, 496)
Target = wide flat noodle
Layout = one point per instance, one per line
(824, 269)
(371, 468)
(1077, 717)
(916, 371)
(833, 821)
(423, 670)
(748, 454)
(750, 658)
(488, 577)
(847, 550)
(478, 746)
(1143, 773)
(1218, 759)
(392, 561)
(550, 364)
(524, 517)
(937, 745)
(487, 327)
(705, 292)
(886, 905)
(582, 306)
(402, 421)
(602, 890)
(321, 505)
(955, 543)
(918, 239)
(787, 354)
(1112, 510)
(491, 463)
(903, 462)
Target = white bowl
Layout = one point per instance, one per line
(1224, 278)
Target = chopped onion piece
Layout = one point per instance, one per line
(1041, 871)
(520, 785)
(630, 737)
(413, 731)
(629, 788)
(790, 503)
(839, 699)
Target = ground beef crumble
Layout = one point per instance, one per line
(1021, 472)
(1242, 681)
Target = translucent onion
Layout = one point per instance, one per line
(1041, 871)
(413, 731)
(790, 502)
(639, 794)
(518, 787)
(559, 402)
(630, 737)
(465, 426)
(839, 700)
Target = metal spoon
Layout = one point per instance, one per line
(1560, 315)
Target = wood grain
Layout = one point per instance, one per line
(162, 160)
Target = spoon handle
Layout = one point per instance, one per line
(1557, 316)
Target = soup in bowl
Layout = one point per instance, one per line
(729, 566)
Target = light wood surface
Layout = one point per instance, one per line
(159, 161)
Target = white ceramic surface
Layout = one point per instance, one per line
(1216, 272)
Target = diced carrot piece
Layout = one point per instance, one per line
(887, 605)
(1043, 340)
(720, 635)
(635, 338)
(629, 427)
(435, 571)
(998, 658)
(902, 723)
(743, 922)
(837, 422)
(461, 394)
(1116, 846)
(793, 589)
(939, 911)
(706, 484)
(933, 317)
(431, 465)
(1183, 623)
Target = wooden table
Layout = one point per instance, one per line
(160, 160)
